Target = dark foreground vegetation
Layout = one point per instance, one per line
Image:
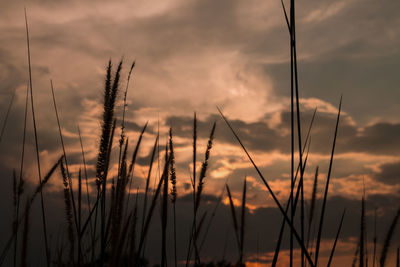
(112, 230)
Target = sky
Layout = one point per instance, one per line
(192, 56)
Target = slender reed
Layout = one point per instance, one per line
(132, 164)
(336, 239)
(122, 137)
(25, 236)
(36, 192)
(297, 236)
(194, 227)
(147, 183)
(288, 204)
(204, 168)
(242, 222)
(362, 232)
(312, 204)
(21, 169)
(71, 191)
(68, 213)
(87, 187)
(79, 217)
(164, 214)
(200, 186)
(173, 191)
(321, 222)
(234, 218)
(152, 206)
(36, 144)
(375, 241)
(218, 202)
(388, 238)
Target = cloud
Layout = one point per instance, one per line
(192, 58)
(376, 139)
(389, 173)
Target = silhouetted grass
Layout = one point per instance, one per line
(36, 144)
(388, 238)
(114, 238)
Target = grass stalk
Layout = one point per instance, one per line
(321, 222)
(362, 232)
(234, 217)
(388, 239)
(242, 222)
(148, 183)
(25, 236)
(21, 169)
(132, 164)
(71, 191)
(173, 192)
(374, 241)
(336, 239)
(43, 211)
(282, 211)
(152, 207)
(312, 204)
(164, 214)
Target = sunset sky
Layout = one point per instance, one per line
(194, 55)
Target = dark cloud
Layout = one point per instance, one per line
(379, 138)
(389, 173)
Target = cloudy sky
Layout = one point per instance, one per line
(192, 56)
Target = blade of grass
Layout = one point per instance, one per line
(37, 191)
(147, 184)
(44, 224)
(164, 215)
(242, 223)
(298, 238)
(312, 204)
(288, 204)
(87, 188)
(321, 222)
(286, 17)
(375, 241)
(68, 214)
(212, 217)
(132, 163)
(388, 238)
(234, 217)
(336, 239)
(362, 230)
(65, 158)
(204, 168)
(21, 168)
(152, 206)
(173, 192)
(122, 137)
(25, 236)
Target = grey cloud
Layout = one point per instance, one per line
(379, 138)
(389, 173)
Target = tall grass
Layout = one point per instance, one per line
(388, 238)
(36, 144)
(117, 234)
